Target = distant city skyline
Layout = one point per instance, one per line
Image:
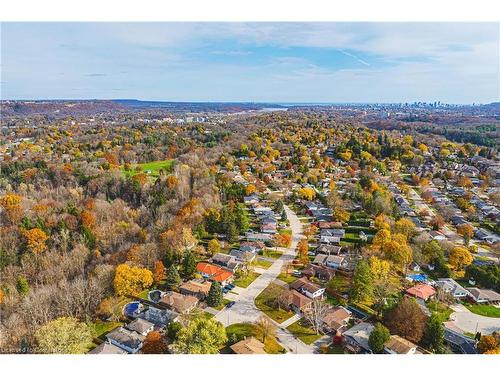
(252, 62)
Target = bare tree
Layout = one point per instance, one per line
(316, 313)
(265, 327)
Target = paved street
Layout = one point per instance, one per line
(470, 322)
(244, 310)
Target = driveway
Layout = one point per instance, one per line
(470, 322)
(244, 310)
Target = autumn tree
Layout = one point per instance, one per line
(460, 257)
(131, 280)
(437, 222)
(265, 328)
(35, 240)
(467, 231)
(307, 193)
(378, 337)
(303, 249)
(154, 344)
(11, 203)
(214, 246)
(487, 343)
(63, 336)
(158, 272)
(406, 320)
(201, 336)
(405, 227)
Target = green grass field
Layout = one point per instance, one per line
(269, 253)
(246, 280)
(484, 310)
(303, 332)
(153, 167)
(262, 263)
(287, 278)
(265, 303)
(440, 309)
(100, 328)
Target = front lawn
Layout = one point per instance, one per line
(440, 309)
(484, 310)
(241, 330)
(246, 280)
(265, 264)
(268, 253)
(266, 302)
(303, 332)
(287, 277)
(224, 303)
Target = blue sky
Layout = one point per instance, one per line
(275, 62)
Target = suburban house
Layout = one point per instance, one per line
(307, 288)
(321, 272)
(252, 247)
(484, 295)
(159, 315)
(179, 302)
(249, 345)
(399, 345)
(331, 235)
(129, 341)
(243, 256)
(356, 338)
(197, 289)
(328, 249)
(457, 340)
(452, 287)
(255, 236)
(268, 228)
(421, 291)
(299, 302)
(107, 348)
(336, 319)
(141, 326)
(214, 273)
(229, 262)
(335, 261)
(320, 259)
(251, 199)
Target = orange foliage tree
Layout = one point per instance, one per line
(154, 344)
(35, 240)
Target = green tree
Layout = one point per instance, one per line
(173, 278)
(188, 264)
(214, 297)
(232, 232)
(378, 338)
(173, 330)
(22, 286)
(242, 222)
(201, 336)
(362, 289)
(63, 336)
(433, 337)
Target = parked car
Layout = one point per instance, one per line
(230, 304)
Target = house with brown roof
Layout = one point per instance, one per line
(299, 302)
(308, 288)
(399, 345)
(484, 295)
(336, 319)
(323, 273)
(179, 302)
(249, 345)
(196, 289)
(421, 291)
(141, 326)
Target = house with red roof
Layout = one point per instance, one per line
(214, 273)
(421, 291)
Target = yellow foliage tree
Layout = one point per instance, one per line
(459, 258)
(35, 240)
(307, 193)
(131, 280)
